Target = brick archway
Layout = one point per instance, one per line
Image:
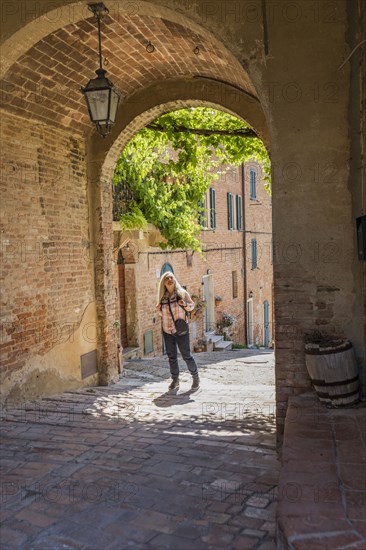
(142, 108)
(46, 61)
(314, 125)
(28, 27)
(42, 74)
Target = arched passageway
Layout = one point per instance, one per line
(61, 251)
(145, 106)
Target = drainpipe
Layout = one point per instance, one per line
(244, 254)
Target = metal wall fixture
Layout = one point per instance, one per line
(101, 97)
(150, 48)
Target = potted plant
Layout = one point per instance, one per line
(218, 299)
(227, 321)
(200, 304)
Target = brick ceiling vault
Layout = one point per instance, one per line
(44, 83)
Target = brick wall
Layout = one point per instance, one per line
(258, 225)
(45, 255)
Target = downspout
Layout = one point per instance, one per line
(244, 255)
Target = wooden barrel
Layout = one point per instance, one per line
(333, 371)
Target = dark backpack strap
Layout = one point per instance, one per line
(170, 309)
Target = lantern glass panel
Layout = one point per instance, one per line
(114, 106)
(98, 101)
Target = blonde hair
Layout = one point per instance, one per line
(177, 287)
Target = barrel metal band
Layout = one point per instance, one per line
(328, 351)
(338, 396)
(340, 383)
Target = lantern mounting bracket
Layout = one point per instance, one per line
(99, 9)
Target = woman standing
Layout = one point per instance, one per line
(173, 303)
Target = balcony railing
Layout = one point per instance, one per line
(122, 199)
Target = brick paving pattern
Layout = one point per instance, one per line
(322, 487)
(131, 466)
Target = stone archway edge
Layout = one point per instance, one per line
(102, 155)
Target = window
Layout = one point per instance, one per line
(253, 184)
(208, 210)
(230, 211)
(235, 283)
(254, 253)
(239, 213)
(212, 208)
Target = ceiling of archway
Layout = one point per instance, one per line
(44, 84)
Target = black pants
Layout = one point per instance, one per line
(171, 343)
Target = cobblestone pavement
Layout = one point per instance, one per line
(132, 466)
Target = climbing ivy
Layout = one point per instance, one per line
(170, 164)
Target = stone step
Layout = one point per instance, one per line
(130, 353)
(223, 345)
(215, 338)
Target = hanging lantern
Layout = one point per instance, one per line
(101, 97)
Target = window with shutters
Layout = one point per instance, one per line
(235, 283)
(239, 213)
(254, 253)
(253, 184)
(212, 200)
(230, 211)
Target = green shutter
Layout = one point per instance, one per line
(239, 212)
(253, 184)
(148, 342)
(254, 253)
(213, 208)
(230, 210)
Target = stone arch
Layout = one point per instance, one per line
(142, 108)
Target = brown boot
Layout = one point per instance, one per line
(174, 385)
(195, 383)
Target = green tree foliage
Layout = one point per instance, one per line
(170, 164)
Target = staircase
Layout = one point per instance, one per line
(219, 344)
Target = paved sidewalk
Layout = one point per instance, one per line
(322, 488)
(131, 466)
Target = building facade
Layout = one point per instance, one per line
(230, 279)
